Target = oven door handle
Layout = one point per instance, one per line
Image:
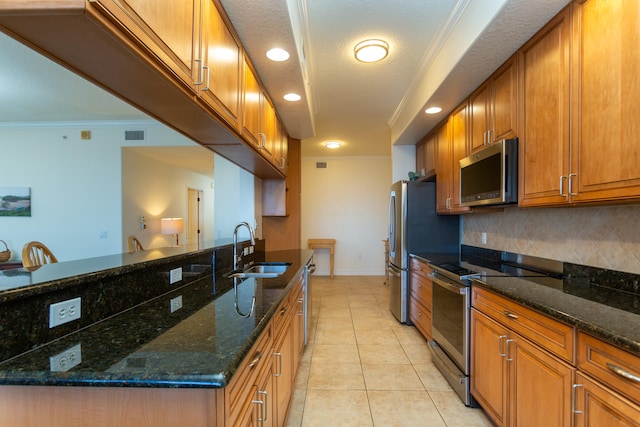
(452, 287)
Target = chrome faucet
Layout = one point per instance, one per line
(236, 257)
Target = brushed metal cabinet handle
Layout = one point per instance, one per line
(573, 399)
(255, 360)
(279, 356)
(623, 373)
(501, 345)
(510, 315)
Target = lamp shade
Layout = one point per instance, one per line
(171, 225)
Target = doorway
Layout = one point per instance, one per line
(195, 217)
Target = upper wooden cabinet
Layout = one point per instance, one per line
(178, 61)
(426, 157)
(220, 61)
(169, 30)
(579, 128)
(451, 146)
(493, 107)
(544, 124)
(605, 132)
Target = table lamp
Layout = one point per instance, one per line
(172, 226)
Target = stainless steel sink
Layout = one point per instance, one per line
(263, 269)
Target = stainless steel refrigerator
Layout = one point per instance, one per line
(414, 227)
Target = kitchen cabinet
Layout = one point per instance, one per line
(545, 79)
(605, 130)
(493, 107)
(607, 387)
(451, 140)
(420, 296)
(259, 117)
(149, 54)
(220, 59)
(426, 157)
(168, 30)
(515, 369)
(284, 367)
(579, 130)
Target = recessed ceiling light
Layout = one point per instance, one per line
(292, 97)
(333, 144)
(433, 110)
(371, 50)
(277, 54)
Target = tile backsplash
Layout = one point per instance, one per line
(604, 237)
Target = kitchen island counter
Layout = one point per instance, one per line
(199, 345)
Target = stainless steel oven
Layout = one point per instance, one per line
(450, 312)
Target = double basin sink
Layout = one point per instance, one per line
(262, 269)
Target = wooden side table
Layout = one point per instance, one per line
(324, 244)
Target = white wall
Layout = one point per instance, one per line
(403, 161)
(75, 190)
(157, 190)
(234, 199)
(77, 186)
(347, 201)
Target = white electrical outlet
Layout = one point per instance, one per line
(483, 237)
(176, 303)
(67, 359)
(64, 311)
(175, 275)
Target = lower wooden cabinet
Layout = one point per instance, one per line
(521, 361)
(513, 378)
(420, 296)
(523, 370)
(607, 387)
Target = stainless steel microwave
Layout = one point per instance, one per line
(490, 176)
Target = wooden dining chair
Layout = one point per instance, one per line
(35, 254)
(134, 244)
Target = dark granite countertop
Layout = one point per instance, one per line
(24, 282)
(587, 302)
(200, 345)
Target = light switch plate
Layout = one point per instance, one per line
(65, 311)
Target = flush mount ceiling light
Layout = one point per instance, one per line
(277, 54)
(333, 144)
(371, 50)
(292, 97)
(433, 110)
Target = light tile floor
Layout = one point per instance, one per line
(363, 368)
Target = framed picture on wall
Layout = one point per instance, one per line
(15, 201)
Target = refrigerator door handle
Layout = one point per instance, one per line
(392, 225)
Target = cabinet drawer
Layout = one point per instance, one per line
(421, 290)
(281, 316)
(419, 267)
(240, 387)
(420, 317)
(602, 360)
(550, 334)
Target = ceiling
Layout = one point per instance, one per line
(440, 50)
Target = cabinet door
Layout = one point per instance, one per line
(420, 158)
(597, 405)
(479, 111)
(251, 110)
(283, 372)
(298, 327)
(504, 102)
(544, 138)
(459, 142)
(167, 29)
(488, 366)
(606, 129)
(443, 169)
(221, 66)
(539, 386)
(267, 127)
